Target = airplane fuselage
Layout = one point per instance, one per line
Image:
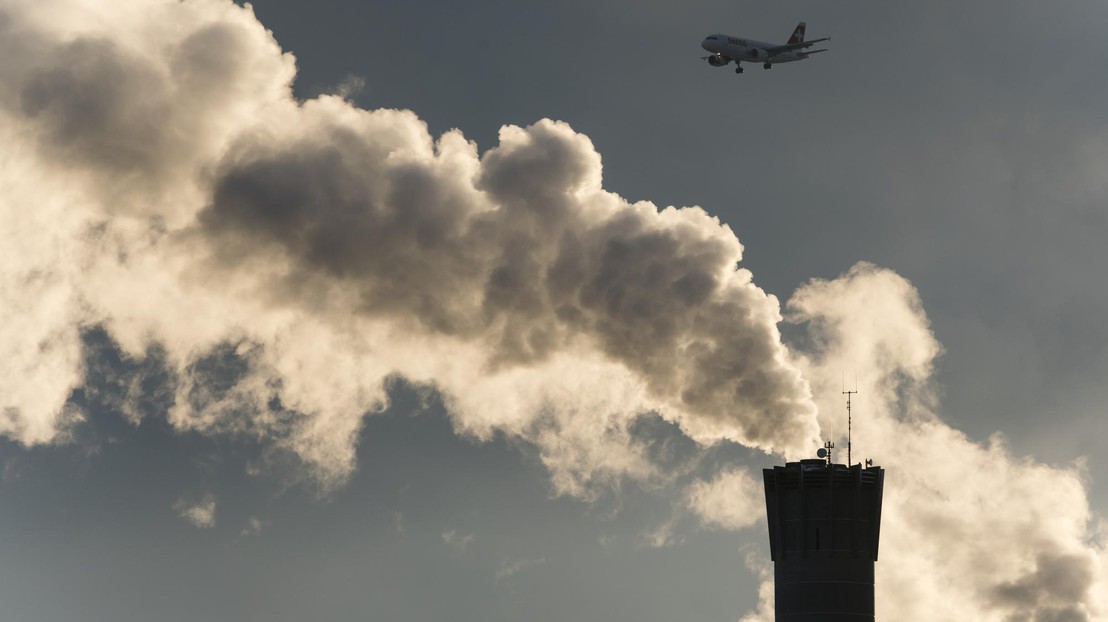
(747, 50)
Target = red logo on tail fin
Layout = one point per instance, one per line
(798, 34)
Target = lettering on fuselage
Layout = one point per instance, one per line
(738, 42)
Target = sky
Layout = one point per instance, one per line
(495, 310)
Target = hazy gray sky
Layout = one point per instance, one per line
(208, 280)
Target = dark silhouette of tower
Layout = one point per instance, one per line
(824, 523)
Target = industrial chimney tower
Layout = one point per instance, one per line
(824, 524)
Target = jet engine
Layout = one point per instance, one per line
(718, 60)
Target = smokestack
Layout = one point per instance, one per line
(824, 523)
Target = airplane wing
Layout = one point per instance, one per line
(789, 47)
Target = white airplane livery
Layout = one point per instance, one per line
(726, 48)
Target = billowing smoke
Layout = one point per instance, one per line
(969, 532)
(732, 500)
(1006, 536)
(165, 185)
(285, 260)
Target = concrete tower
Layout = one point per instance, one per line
(824, 523)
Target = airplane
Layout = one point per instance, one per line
(726, 48)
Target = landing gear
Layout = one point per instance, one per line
(738, 69)
(766, 66)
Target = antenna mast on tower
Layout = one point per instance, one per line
(848, 395)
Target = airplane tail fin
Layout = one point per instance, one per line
(798, 34)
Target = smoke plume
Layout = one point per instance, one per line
(969, 531)
(167, 187)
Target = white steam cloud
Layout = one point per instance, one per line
(165, 185)
(200, 513)
(286, 259)
(968, 531)
(733, 500)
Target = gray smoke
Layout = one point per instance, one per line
(331, 248)
(526, 256)
(968, 530)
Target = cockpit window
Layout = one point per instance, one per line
(713, 38)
